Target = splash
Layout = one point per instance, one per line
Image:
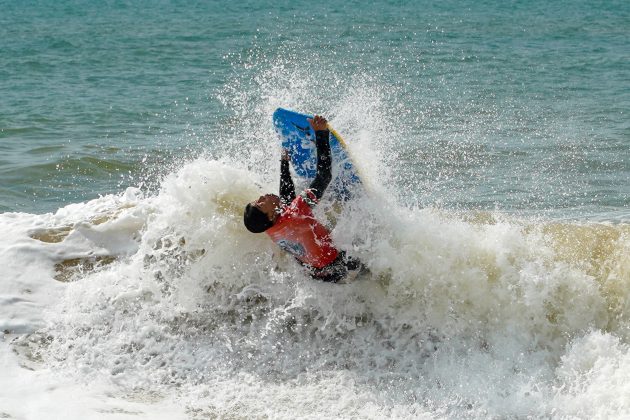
(471, 316)
(464, 314)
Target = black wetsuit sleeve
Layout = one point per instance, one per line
(287, 190)
(324, 162)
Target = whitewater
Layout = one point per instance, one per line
(161, 305)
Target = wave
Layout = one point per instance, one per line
(472, 314)
(164, 298)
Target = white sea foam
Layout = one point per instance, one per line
(163, 306)
(463, 315)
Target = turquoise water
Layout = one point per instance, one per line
(520, 106)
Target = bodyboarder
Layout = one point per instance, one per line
(288, 219)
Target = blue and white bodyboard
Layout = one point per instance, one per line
(298, 137)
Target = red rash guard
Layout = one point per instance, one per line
(298, 232)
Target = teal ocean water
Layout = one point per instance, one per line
(493, 140)
(516, 106)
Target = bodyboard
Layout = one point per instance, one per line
(298, 137)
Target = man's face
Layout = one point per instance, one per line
(268, 204)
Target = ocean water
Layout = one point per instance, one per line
(494, 142)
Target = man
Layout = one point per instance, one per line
(289, 220)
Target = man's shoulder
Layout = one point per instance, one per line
(308, 197)
(303, 202)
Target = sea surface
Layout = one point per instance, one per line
(494, 143)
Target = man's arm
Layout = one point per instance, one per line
(324, 160)
(287, 190)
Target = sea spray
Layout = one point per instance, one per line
(463, 313)
(478, 316)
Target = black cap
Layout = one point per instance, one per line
(255, 220)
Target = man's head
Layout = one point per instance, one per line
(261, 214)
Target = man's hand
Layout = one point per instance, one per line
(285, 154)
(318, 123)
